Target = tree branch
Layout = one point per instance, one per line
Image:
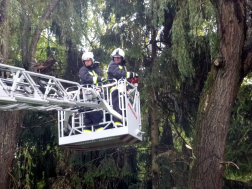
(39, 29)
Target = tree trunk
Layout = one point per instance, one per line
(37, 32)
(216, 103)
(154, 144)
(154, 116)
(4, 29)
(10, 123)
(25, 36)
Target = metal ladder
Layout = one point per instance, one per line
(33, 91)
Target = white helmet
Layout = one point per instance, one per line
(118, 53)
(88, 56)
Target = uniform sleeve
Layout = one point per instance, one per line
(86, 77)
(99, 79)
(116, 72)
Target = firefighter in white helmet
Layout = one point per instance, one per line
(89, 74)
(118, 70)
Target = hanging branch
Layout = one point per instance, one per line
(38, 30)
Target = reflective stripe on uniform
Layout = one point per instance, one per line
(120, 66)
(95, 74)
(118, 124)
(128, 75)
(91, 73)
(87, 131)
(99, 129)
(112, 88)
(94, 80)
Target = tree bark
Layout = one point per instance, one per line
(216, 104)
(4, 29)
(25, 36)
(37, 32)
(10, 123)
(154, 116)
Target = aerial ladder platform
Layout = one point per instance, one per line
(25, 90)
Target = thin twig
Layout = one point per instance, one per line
(14, 180)
(229, 162)
(243, 137)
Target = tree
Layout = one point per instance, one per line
(10, 128)
(29, 50)
(220, 91)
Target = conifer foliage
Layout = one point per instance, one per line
(189, 105)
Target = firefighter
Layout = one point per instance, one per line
(118, 70)
(89, 75)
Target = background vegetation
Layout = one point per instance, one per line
(170, 44)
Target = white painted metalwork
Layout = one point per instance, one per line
(20, 89)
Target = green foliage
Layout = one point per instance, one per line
(238, 149)
(186, 41)
(36, 148)
(193, 19)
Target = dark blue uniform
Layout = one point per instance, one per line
(89, 75)
(117, 71)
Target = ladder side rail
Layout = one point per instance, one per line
(73, 124)
(103, 90)
(8, 107)
(115, 85)
(11, 68)
(121, 92)
(23, 106)
(139, 112)
(108, 100)
(62, 122)
(59, 123)
(39, 75)
(136, 101)
(110, 95)
(122, 100)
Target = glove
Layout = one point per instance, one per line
(103, 80)
(136, 75)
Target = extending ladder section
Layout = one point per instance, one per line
(20, 89)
